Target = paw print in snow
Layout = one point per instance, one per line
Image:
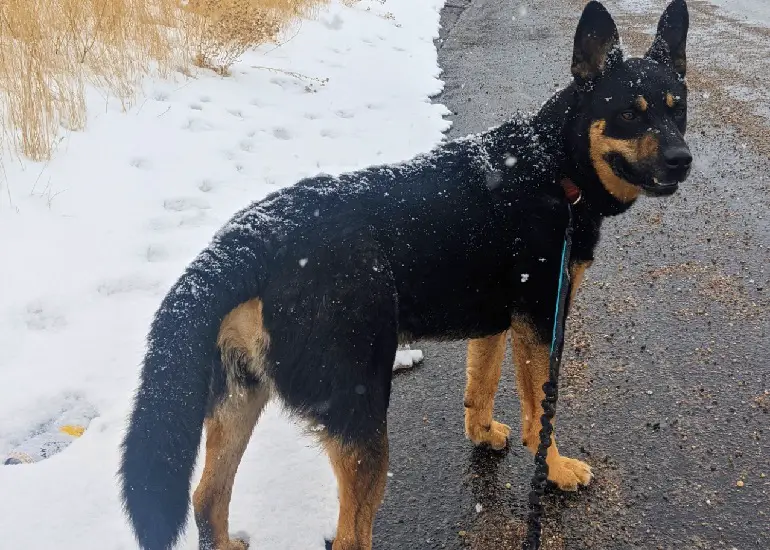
(198, 125)
(282, 133)
(140, 163)
(335, 23)
(182, 204)
(38, 317)
(126, 285)
(156, 253)
(288, 84)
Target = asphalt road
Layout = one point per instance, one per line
(665, 391)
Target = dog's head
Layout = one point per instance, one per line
(631, 113)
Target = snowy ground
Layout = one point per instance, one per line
(91, 240)
(757, 11)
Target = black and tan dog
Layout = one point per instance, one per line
(305, 295)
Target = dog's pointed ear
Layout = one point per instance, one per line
(597, 44)
(670, 44)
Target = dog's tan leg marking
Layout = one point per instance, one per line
(227, 433)
(361, 472)
(577, 273)
(531, 359)
(242, 341)
(484, 365)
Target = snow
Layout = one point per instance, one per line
(92, 240)
(406, 358)
(755, 11)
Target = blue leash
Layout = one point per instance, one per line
(551, 391)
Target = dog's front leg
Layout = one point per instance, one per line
(484, 365)
(531, 359)
(530, 356)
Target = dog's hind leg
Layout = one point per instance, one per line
(235, 410)
(361, 470)
(531, 357)
(484, 365)
(228, 431)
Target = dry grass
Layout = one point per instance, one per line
(50, 50)
(225, 29)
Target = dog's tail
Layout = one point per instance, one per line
(164, 431)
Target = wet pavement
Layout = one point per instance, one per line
(666, 389)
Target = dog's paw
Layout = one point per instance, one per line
(238, 541)
(496, 436)
(568, 473)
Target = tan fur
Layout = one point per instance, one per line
(641, 103)
(531, 360)
(361, 478)
(670, 101)
(577, 272)
(243, 339)
(228, 431)
(485, 358)
(648, 147)
(633, 150)
(484, 365)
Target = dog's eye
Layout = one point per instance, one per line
(680, 111)
(628, 115)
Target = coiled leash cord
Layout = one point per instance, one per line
(551, 391)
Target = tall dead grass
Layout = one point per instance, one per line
(225, 29)
(50, 50)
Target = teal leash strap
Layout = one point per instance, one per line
(563, 274)
(551, 391)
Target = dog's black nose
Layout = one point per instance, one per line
(677, 158)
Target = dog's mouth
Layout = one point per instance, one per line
(651, 185)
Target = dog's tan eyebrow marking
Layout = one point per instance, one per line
(669, 99)
(641, 103)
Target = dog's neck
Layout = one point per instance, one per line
(538, 149)
(596, 198)
(536, 153)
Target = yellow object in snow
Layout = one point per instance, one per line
(72, 429)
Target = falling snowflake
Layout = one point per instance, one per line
(524, 277)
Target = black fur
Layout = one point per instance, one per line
(164, 430)
(450, 245)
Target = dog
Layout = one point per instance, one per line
(305, 295)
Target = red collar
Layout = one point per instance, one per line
(571, 191)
